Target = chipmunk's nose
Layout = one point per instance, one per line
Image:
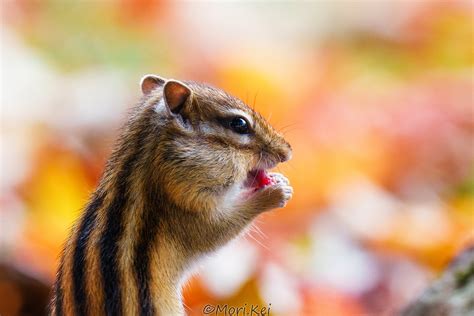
(285, 153)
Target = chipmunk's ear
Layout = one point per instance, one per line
(151, 82)
(175, 95)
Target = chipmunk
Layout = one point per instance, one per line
(188, 174)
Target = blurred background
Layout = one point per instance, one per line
(376, 98)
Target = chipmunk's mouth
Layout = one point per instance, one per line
(257, 179)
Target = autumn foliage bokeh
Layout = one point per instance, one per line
(376, 99)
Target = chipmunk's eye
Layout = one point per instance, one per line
(239, 125)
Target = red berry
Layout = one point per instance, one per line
(263, 179)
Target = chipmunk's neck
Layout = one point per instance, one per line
(117, 261)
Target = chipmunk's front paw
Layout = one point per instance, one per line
(275, 195)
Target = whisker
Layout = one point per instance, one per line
(269, 117)
(290, 131)
(254, 100)
(256, 240)
(292, 128)
(259, 231)
(290, 165)
(282, 129)
(291, 124)
(186, 307)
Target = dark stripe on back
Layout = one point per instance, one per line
(109, 241)
(147, 233)
(58, 292)
(79, 260)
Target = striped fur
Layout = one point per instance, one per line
(161, 204)
(87, 225)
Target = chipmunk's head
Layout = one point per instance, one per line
(211, 141)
